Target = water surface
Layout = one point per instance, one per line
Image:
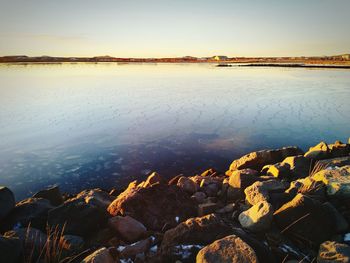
(101, 125)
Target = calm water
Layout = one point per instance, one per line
(89, 125)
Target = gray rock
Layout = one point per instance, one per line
(258, 218)
(7, 201)
(128, 228)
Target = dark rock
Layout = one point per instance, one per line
(198, 231)
(207, 208)
(11, 250)
(154, 206)
(279, 170)
(130, 251)
(199, 197)
(302, 219)
(31, 211)
(299, 166)
(153, 178)
(72, 244)
(257, 160)
(128, 228)
(318, 152)
(240, 180)
(102, 255)
(96, 197)
(339, 149)
(174, 180)
(52, 194)
(187, 185)
(79, 218)
(228, 249)
(7, 201)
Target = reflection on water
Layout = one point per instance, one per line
(88, 125)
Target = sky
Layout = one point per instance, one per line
(172, 28)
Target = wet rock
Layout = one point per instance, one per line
(331, 251)
(259, 191)
(303, 217)
(78, 217)
(11, 250)
(154, 206)
(318, 152)
(7, 201)
(52, 194)
(96, 197)
(207, 208)
(130, 251)
(31, 211)
(128, 228)
(199, 197)
(102, 255)
(257, 160)
(228, 249)
(337, 181)
(258, 218)
(187, 185)
(199, 231)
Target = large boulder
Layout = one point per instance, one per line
(78, 217)
(257, 160)
(7, 201)
(142, 246)
(259, 191)
(102, 255)
(307, 219)
(336, 179)
(153, 178)
(96, 197)
(230, 249)
(31, 211)
(154, 206)
(128, 228)
(194, 231)
(331, 251)
(318, 152)
(11, 250)
(299, 166)
(241, 179)
(187, 185)
(258, 218)
(339, 149)
(52, 194)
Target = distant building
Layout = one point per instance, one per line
(220, 58)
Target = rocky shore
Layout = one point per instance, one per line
(279, 205)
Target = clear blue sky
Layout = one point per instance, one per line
(159, 28)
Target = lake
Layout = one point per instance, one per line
(102, 125)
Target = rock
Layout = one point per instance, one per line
(259, 191)
(199, 197)
(199, 231)
(334, 162)
(299, 165)
(31, 211)
(139, 247)
(303, 217)
(309, 186)
(72, 243)
(7, 201)
(333, 252)
(128, 228)
(228, 249)
(229, 208)
(96, 197)
(174, 180)
(79, 217)
(102, 255)
(153, 178)
(241, 179)
(154, 206)
(187, 185)
(339, 149)
(52, 194)
(257, 160)
(279, 170)
(337, 181)
(210, 189)
(258, 218)
(207, 208)
(11, 250)
(209, 172)
(318, 152)
(31, 238)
